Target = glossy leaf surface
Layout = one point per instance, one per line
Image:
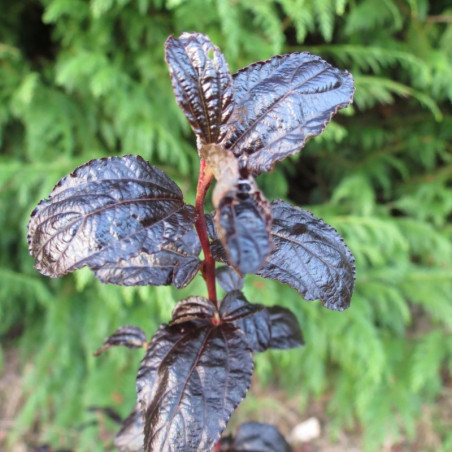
(192, 378)
(128, 336)
(285, 329)
(175, 264)
(310, 256)
(264, 327)
(131, 437)
(252, 319)
(202, 84)
(243, 221)
(106, 210)
(192, 308)
(280, 103)
(257, 437)
(228, 279)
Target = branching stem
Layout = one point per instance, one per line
(208, 266)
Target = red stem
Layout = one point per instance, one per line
(208, 267)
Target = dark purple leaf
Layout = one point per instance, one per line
(228, 279)
(193, 308)
(131, 436)
(258, 437)
(280, 103)
(252, 319)
(264, 327)
(243, 221)
(310, 256)
(192, 378)
(106, 210)
(202, 84)
(216, 247)
(307, 254)
(128, 336)
(235, 306)
(285, 329)
(175, 264)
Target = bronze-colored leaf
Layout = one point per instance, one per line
(192, 308)
(202, 84)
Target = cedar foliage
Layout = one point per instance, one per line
(82, 80)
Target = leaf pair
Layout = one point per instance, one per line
(264, 112)
(198, 369)
(260, 115)
(123, 218)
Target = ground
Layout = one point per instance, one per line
(268, 405)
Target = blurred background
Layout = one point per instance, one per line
(85, 79)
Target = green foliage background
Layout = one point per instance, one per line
(83, 79)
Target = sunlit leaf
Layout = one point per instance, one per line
(280, 103)
(106, 210)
